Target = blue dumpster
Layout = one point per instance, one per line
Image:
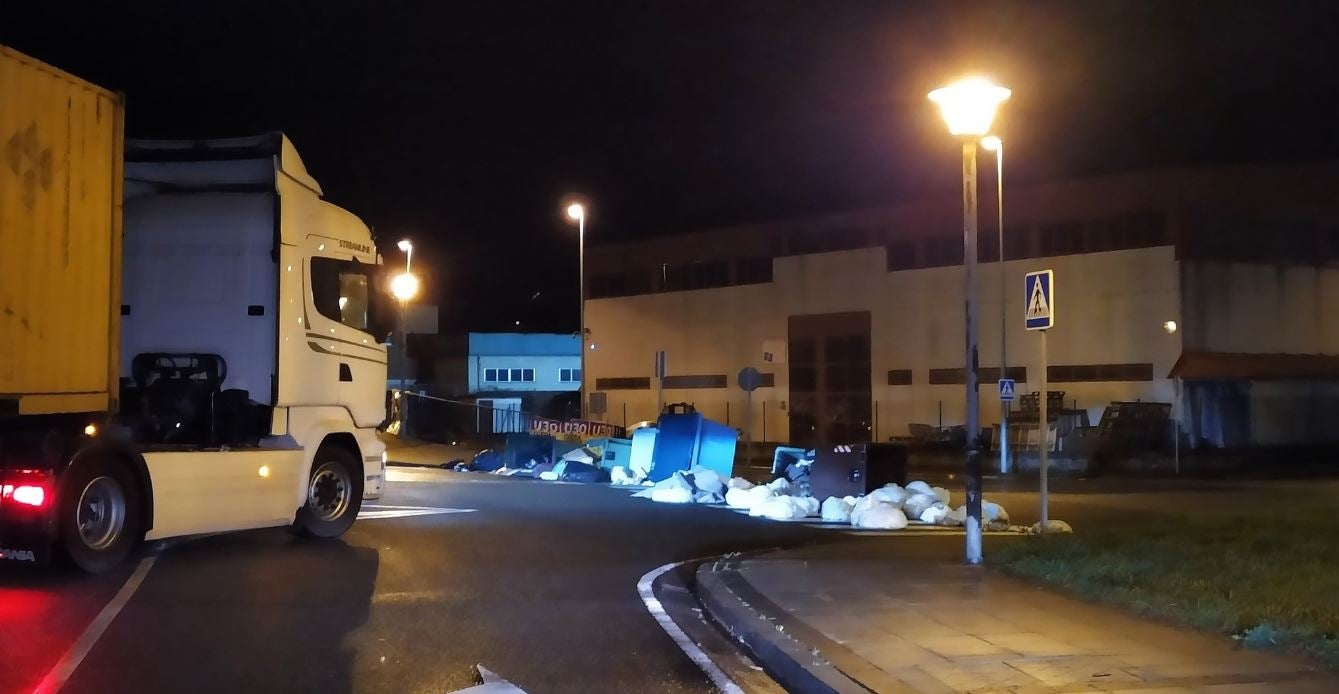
(686, 439)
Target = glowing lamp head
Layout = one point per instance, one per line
(404, 245)
(1169, 326)
(992, 143)
(404, 286)
(576, 211)
(969, 105)
(91, 430)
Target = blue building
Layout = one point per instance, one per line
(523, 363)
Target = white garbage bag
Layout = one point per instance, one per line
(916, 504)
(992, 512)
(548, 476)
(780, 508)
(892, 494)
(837, 510)
(780, 485)
(934, 515)
(810, 505)
(702, 497)
(739, 483)
(957, 516)
(747, 498)
(943, 495)
(579, 455)
(920, 487)
(880, 515)
(672, 495)
(675, 489)
(707, 480)
(619, 475)
(1057, 527)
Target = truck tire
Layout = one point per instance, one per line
(101, 517)
(334, 494)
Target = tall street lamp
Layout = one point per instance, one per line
(404, 287)
(968, 107)
(994, 144)
(577, 213)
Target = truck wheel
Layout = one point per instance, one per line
(334, 494)
(101, 517)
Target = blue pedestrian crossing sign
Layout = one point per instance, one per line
(1006, 390)
(1040, 298)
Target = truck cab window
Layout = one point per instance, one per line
(340, 291)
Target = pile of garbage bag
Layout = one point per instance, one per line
(891, 507)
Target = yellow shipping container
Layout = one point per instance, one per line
(61, 168)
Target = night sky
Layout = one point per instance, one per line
(465, 125)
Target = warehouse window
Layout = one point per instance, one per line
(528, 375)
(943, 377)
(992, 373)
(753, 270)
(1088, 373)
(846, 239)
(901, 255)
(766, 380)
(503, 375)
(1017, 242)
(490, 375)
(698, 381)
(569, 375)
(943, 250)
(623, 383)
(899, 377)
(708, 275)
(987, 245)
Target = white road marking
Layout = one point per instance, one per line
(685, 644)
(55, 679)
(492, 684)
(374, 512)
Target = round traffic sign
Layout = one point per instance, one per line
(749, 379)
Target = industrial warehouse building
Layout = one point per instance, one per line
(1213, 289)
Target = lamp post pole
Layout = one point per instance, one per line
(581, 287)
(968, 107)
(969, 206)
(408, 247)
(577, 213)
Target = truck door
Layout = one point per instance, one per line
(339, 335)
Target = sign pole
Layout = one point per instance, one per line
(1040, 315)
(1044, 425)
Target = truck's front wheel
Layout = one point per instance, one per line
(101, 518)
(334, 494)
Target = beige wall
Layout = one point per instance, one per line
(1110, 309)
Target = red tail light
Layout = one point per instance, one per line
(30, 495)
(24, 487)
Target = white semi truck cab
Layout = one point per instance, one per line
(215, 365)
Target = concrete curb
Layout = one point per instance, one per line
(794, 664)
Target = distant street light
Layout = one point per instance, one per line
(577, 213)
(968, 107)
(408, 247)
(404, 287)
(994, 144)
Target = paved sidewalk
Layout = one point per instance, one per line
(904, 615)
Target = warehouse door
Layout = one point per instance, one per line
(830, 378)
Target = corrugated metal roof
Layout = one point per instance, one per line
(524, 344)
(1255, 367)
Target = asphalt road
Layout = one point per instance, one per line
(539, 584)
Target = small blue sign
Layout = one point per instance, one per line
(1040, 300)
(1007, 390)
